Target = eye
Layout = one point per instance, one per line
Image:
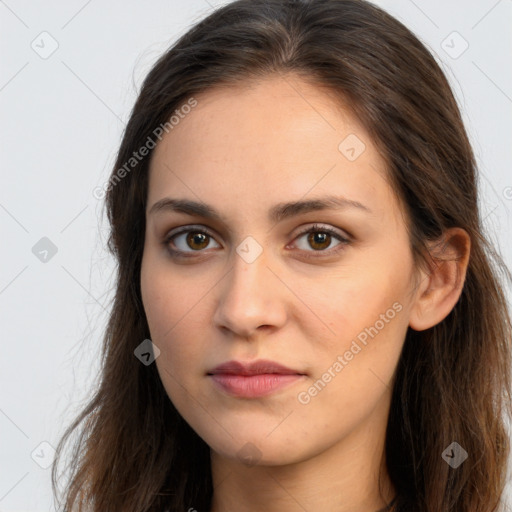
(189, 240)
(320, 238)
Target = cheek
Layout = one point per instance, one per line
(165, 297)
(353, 370)
(370, 318)
(352, 302)
(170, 313)
(173, 307)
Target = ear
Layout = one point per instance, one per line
(440, 287)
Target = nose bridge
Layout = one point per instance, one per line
(249, 297)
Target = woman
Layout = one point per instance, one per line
(307, 315)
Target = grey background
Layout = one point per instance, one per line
(62, 117)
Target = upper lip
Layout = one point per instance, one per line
(253, 368)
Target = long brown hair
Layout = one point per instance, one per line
(133, 450)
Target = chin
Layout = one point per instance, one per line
(258, 449)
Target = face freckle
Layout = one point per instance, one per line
(259, 290)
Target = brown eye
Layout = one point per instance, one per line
(318, 240)
(197, 240)
(188, 241)
(322, 240)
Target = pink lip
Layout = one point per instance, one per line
(251, 380)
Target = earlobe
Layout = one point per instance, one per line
(441, 286)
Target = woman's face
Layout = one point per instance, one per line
(259, 281)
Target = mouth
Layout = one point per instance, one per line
(253, 380)
(260, 367)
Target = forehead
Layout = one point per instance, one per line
(265, 141)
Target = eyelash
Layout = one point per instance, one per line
(312, 229)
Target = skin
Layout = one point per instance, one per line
(242, 150)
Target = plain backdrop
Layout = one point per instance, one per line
(70, 72)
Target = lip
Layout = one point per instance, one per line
(259, 367)
(254, 379)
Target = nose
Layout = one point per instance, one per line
(251, 299)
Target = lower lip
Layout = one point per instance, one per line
(253, 386)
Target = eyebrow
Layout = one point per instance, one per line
(277, 213)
